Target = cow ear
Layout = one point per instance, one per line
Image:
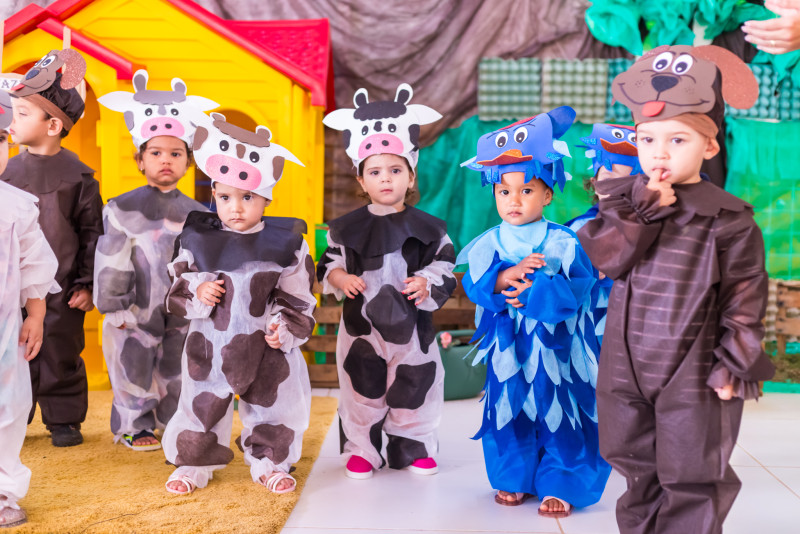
(340, 119)
(200, 136)
(140, 78)
(74, 68)
(202, 103)
(424, 114)
(263, 131)
(404, 93)
(178, 86)
(117, 100)
(361, 98)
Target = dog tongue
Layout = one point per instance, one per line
(651, 109)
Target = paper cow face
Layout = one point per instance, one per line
(43, 73)
(382, 127)
(149, 112)
(531, 146)
(6, 113)
(672, 80)
(612, 144)
(240, 158)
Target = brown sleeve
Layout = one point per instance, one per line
(627, 225)
(742, 304)
(88, 218)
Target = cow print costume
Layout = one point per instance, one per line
(268, 275)
(390, 371)
(144, 357)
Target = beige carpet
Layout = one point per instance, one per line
(103, 487)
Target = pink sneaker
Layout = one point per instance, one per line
(358, 468)
(424, 466)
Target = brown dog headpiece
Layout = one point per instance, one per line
(43, 75)
(672, 80)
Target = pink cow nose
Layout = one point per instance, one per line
(380, 144)
(162, 126)
(233, 172)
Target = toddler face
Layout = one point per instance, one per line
(519, 202)
(164, 161)
(674, 150)
(240, 210)
(386, 179)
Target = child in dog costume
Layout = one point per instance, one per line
(394, 264)
(531, 282)
(142, 344)
(244, 281)
(682, 347)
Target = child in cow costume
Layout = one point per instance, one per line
(612, 149)
(244, 281)
(142, 344)
(532, 282)
(682, 347)
(27, 272)
(394, 264)
(46, 107)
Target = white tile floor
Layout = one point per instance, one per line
(459, 498)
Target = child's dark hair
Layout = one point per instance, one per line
(137, 156)
(588, 186)
(67, 100)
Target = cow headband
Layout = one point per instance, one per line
(672, 80)
(239, 158)
(150, 112)
(382, 127)
(611, 144)
(531, 146)
(43, 78)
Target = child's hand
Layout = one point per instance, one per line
(81, 299)
(32, 333)
(665, 188)
(725, 393)
(519, 287)
(416, 289)
(210, 293)
(352, 285)
(272, 337)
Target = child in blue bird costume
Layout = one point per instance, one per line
(612, 149)
(532, 283)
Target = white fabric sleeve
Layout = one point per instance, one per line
(182, 296)
(439, 276)
(292, 303)
(332, 259)
(38, 262)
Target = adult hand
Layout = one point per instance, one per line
(776, 36)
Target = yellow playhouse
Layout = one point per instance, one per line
(274, 73)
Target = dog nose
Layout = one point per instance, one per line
(662, 83)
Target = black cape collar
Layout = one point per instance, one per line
(376, 235)
(155, 205)
(43, 174)
(215, 249)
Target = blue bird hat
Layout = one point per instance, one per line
(532, 146)
(612, 144)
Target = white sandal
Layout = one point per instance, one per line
(561, 513)
(183, 479)
(275, 478)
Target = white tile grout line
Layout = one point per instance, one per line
(770, 472)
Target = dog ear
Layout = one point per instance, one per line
(739, 85)
(74, 68)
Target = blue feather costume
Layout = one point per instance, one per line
(539, 428)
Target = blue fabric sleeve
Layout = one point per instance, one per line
(482, 292)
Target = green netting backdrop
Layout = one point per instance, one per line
(764, 169)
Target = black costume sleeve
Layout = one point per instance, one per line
(88, 219)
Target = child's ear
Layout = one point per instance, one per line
(361, 183)
(712, 148)
(548, 197)
(54, 127)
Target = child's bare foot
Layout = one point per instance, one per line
(555, 507)
(510, 498)
(278, 482)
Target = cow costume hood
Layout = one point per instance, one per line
(55, 91)
(382, 127)
(611, 144)
(239, 158)
(532, 146)
(151, 112)
(670, 81)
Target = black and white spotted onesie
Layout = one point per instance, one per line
(268, 275)
(390, 371)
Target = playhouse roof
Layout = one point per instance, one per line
(299, 49)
